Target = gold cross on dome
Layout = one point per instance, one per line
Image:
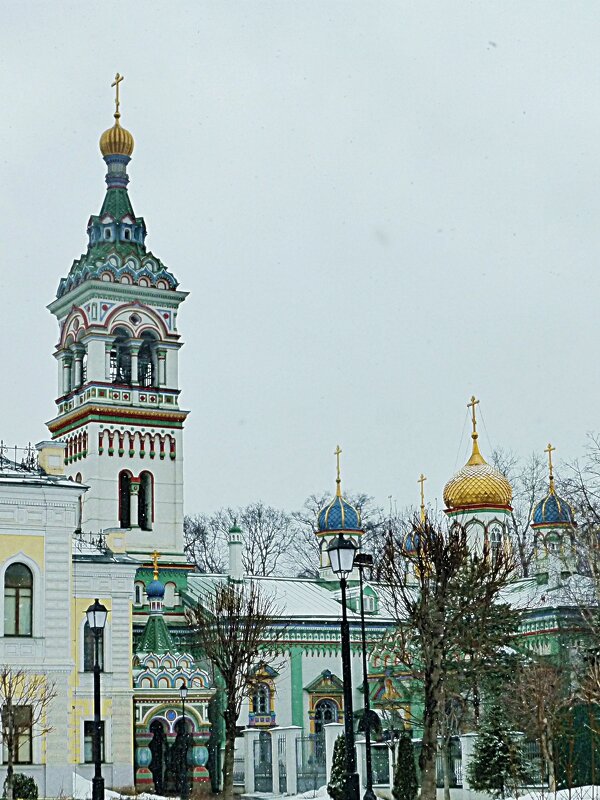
(337, 452)
(422, 480)
(474, 402)
(155, 557)
(115, 83)
(550, 450)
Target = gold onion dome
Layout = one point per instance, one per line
(477, 483)
(116, 141)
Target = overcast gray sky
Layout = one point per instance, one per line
(379, 208)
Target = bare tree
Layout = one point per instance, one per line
(528, 479)
(205, 541)
(236, 626)
(266, 533)
(24, 701)
(443, 596)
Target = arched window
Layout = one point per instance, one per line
(147, 360)
(145, 501)
(138, 594)
(120, 358)
(124, 499)
(495, 539)
(261, 700)
(18, 600)
(169, 599)
(89, 646)
(326, 711)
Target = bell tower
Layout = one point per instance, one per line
(118, 390)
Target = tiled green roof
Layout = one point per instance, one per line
(156, 637)
(117, 204)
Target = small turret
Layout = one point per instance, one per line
(236, 547)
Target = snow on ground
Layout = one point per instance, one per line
(577, 793)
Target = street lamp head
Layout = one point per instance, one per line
(96, 616)
(341, 556)
(183, 690)
(363, 560)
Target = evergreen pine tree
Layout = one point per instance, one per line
(406, 786)
(498, 765)
(337, 780)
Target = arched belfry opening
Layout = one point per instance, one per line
(120, 357)
(125, 499)
(145, 501)
(147, 360)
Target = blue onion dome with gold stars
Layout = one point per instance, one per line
(477, 484)
(339, 514)
(553, 510)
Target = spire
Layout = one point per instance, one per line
(476, 457)
(422, 480)
(155, 557)
(550, 450)
(338, 480)
(116, 145)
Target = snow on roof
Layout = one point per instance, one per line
(296, 598)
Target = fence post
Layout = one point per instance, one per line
(274, 732)
(361, 747)
(332, 731)
(292, 734)
(467, 743)
(251, 735)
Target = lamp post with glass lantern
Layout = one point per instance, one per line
(362, 561)
(96, 619)
(341, 553)
(183, 690)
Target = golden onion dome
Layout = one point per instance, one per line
(116, 141)
(477, 484)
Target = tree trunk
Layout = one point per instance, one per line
(228, 755)
(445, 766)
(427, 759)
(10, 742)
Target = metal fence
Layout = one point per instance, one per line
(380, 763)
(453, 766)
(310, 763)
(282, 763)
(263, 763)
(239, 770)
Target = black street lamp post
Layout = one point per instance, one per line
(341, 556)
(183, 690)
(96, 618)
(362, 561)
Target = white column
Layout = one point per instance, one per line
(162, 367)
(332, 731)
(251, 735)
(77, 377)
(134, 495)
(134, 350)
(467, 744)
(360, 762)
(66, 362)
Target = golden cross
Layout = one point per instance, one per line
(474, 402)
(115, 83)
(338, 480)
(550, 450)
(422, 480)
(155, 557)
